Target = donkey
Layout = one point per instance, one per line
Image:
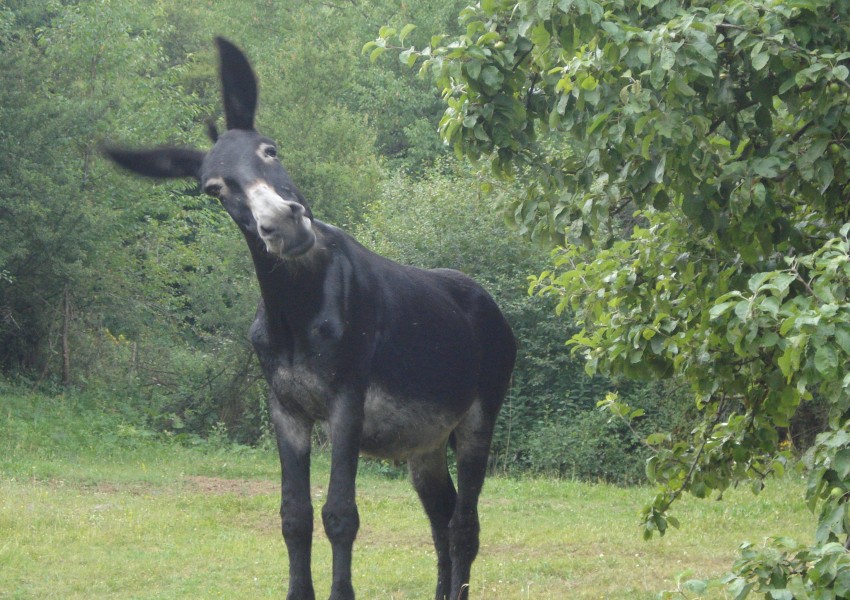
(396, 362)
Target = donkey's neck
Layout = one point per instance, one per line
(291, 289)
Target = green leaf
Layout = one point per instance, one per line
(739, 588)
(376, 53)
(589, 83)
(473, 69)
(540, 36)
(797, 587)
(661, 200)
(830, 524)
(646, 144)
(491, 76)
(841, 463)
(655, 439)
(760, 60)
(596, 11)
(408, 57)
(386, 32)
(490, 7)
(651, 469)
(758, 57)
(756, 281)
(771, 306)
(842, 338)
(692, 206)
(599, 120)
(780, 282)
(826, 360)
(706, 50)
(787, 325)
(405, 31)
(720, 309)
(842, 583)
(668, 58)
(695, 586)
(659, 169)
(742, 309)
(837, 439)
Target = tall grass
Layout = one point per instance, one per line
(91, 506)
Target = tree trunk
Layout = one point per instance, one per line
(66, 346)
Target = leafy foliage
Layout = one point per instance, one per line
(693, 158)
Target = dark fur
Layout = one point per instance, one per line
(394, 360)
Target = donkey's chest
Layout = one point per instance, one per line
(301, 390)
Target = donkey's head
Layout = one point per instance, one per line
(241, 169)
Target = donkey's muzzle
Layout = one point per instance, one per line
(281, 224)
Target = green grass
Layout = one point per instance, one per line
(92, 507)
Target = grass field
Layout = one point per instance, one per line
(91, 507)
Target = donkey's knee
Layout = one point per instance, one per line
(341, 521)
(464, 531)
(296, 519)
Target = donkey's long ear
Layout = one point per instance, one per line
(239, 86)
(159, 162)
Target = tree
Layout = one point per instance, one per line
(692, 158)
(55, 62)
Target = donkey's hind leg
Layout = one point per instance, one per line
(430, 476)
(472, 447)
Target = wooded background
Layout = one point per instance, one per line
(145, 292)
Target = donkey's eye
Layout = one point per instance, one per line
(270, 151)
(213, 189)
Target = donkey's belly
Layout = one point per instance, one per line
(398, 428)
(393, 427)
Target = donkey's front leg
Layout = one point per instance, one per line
(296, 510)
(339, 513)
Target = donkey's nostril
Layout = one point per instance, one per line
(266, 230)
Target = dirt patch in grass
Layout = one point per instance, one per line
(219, 485)
(191, 483)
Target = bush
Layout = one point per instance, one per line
(590, 444)
(587, 446)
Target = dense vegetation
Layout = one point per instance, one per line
(145, 292)
(693, 160)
